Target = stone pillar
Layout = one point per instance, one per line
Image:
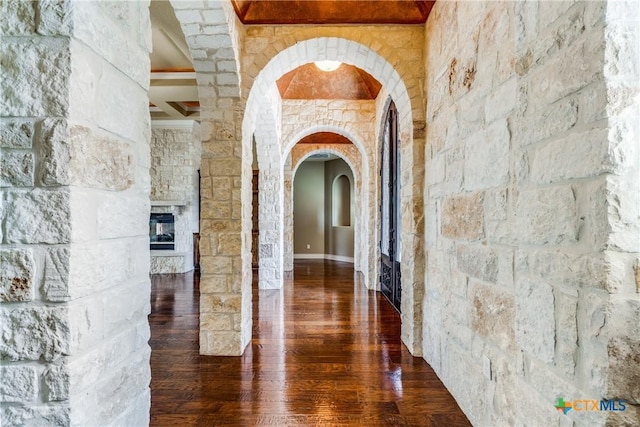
(271, 218)
(225, 178)
(225, 258)
(288, 217)
(74, 289)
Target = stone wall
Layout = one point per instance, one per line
(75, 183)
(175, 161)
(531, 202)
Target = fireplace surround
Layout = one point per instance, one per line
(162, 231)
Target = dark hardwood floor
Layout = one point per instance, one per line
(325, 352)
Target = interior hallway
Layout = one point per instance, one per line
(325, 352)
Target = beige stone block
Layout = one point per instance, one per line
(210, 226)
(215, 209)
(623, 349)
(215, 265)
(547, 216)
(535, 319)
(221, 188)
(230, 244)
(220, 303)
(462, 217)
(216, 322)
(216, 343)
(493, 312)
(214, 283)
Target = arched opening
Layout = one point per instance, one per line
(320, 182)
(341, 202)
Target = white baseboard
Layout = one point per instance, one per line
(324, 256)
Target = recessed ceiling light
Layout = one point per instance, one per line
(328, 65)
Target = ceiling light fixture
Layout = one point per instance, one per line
(328, 65)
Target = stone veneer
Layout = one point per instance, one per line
(532, 208)
(175, 161)
(74, 285)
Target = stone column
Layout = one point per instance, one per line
(288, 217)
(225, 212)
(74, 289)
(271, 218)
(225, 222)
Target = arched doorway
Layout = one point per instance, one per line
(390, 223)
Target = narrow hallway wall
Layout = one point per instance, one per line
(530, 292)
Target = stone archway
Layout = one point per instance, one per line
(284, 59)
(350, 155)
(357, 159)
(353, 158)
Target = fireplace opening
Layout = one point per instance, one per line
(162, 231)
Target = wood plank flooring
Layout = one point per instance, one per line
(325, 352)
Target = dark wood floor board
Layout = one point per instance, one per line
(325, 352)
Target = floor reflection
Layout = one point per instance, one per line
(325, 351)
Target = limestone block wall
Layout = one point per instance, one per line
(175, 161)
(531, 199)
(74, 284)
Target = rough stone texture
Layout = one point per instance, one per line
(35, 415)
(535, 322)
(478, 261)
(492, 315)
(16, 169)
(17, 279)
(18, 384)
(546, 216)
(16, 133)
(162, 264)
(27, 90)
(37, 333)
(38, 216)
(462, 217)
(532, 104)
(55, 381)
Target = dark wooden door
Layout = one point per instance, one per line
(390, 283)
